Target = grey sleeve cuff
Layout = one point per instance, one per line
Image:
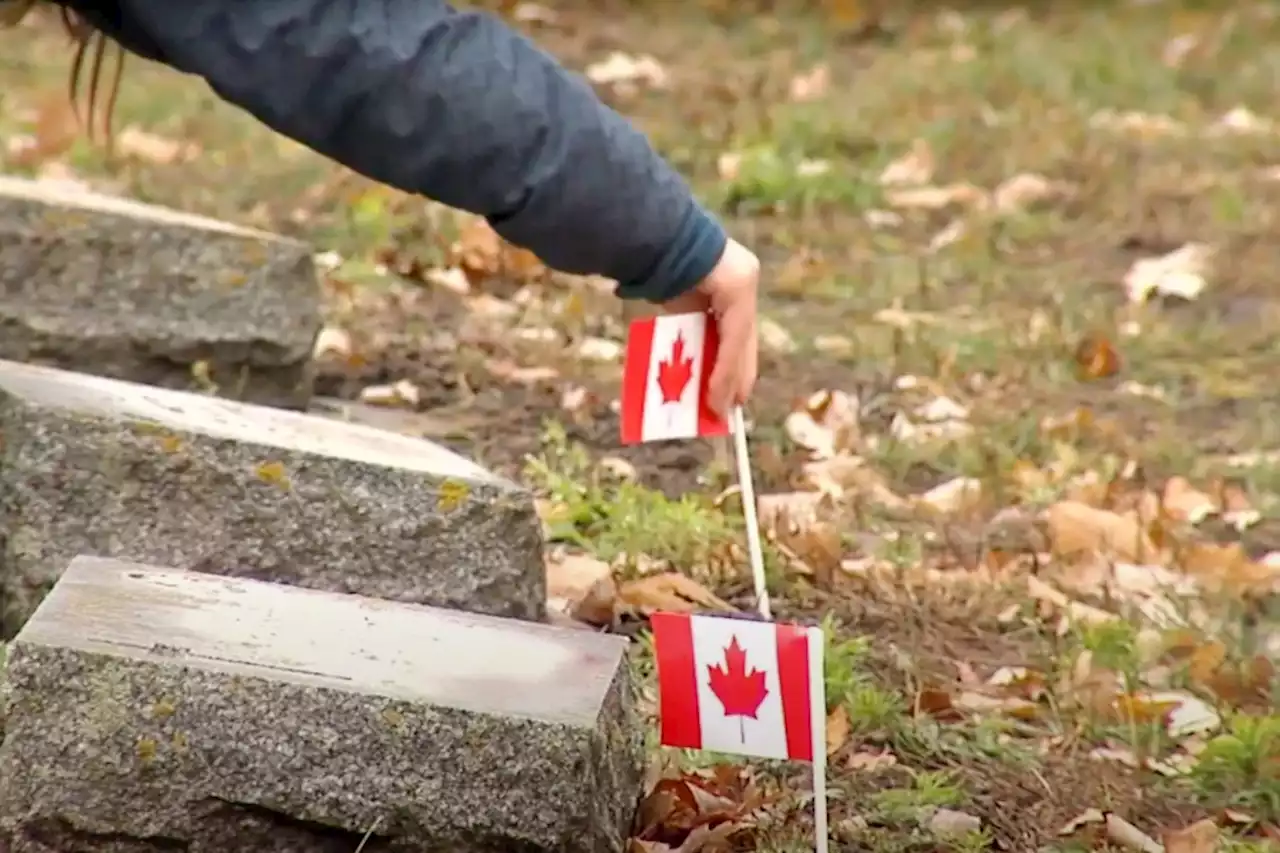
(691, 256)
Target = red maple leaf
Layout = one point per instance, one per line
(675, 372)
(739, 691)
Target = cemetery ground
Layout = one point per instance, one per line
(1014, 426)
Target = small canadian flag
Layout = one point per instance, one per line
(733, 685)
(665, 376)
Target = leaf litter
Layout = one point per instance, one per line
(476, 330)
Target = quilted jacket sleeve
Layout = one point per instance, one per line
(449, 104)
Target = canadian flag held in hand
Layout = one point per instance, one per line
(733, 685)
(665, 377)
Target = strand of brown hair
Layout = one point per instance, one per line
(89, 41)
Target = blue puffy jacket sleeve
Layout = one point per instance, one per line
(453, 105)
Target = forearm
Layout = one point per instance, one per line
(457, 107)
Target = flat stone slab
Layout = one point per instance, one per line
(160, 708)
(129, 290)
(97, 466)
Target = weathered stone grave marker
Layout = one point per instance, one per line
(97, 466)
(118, 288)
(156, 710)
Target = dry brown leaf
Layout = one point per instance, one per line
(936, 702)
(699, 811)
(911, 169)
(1078, 529)
(774, 337)
(401, 393)
(1205, 661)
(871, 762)
(1073, 611)
(833, 345)
(1093, 688)
(820, 549)
(150, 147)
(626, 72)
(482, 254)
(581, 587)
(811, 85)
(1096, 358)
(1117, 755)
(1184, 502)
(333, 341)
(946, 822)
(1199, 837)
(1133, 708)
(1181, 713)
(618, 468)
(953, 496)
(825, 424)
(508, 371)
(980, 703)
(936, 198)
(670, 591)
(1086, 818)
(1228, 567)
(56, 130)
(1237, 683)
(791, 512)
(1181, 274)
(837, 729)
(849, 476)
(1234, 504)
(1127, 835)
(1023, 190)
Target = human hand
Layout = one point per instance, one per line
(729, 292)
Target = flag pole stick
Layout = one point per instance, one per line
(818, 724)
(755, 552)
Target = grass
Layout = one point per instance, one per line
(1022, 318)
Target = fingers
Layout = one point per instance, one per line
(734, 373)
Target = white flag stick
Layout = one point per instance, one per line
(738, 426)
(818, 715)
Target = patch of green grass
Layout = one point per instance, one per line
(615, 518)
(913, 804)
(871, 707)
(1230, 843)
(766, 179)
(1240, 768)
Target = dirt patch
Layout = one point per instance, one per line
(422, 336)
(1026, 807)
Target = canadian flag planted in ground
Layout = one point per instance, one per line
(664, 383)
(733, 685)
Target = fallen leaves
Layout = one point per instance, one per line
(627, 73)
(949, 822)
(1199, 837)
(1077, 529)
(669, 591)
(585, 589)
(689, 812)
(580, 587)
(1179, 274)
(400, 393)
(911, 169)
(1237, 121)
(810, 85)
(138, 144)
(907, 182)
(484, 256)
(826, 424)
(1096, 358)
